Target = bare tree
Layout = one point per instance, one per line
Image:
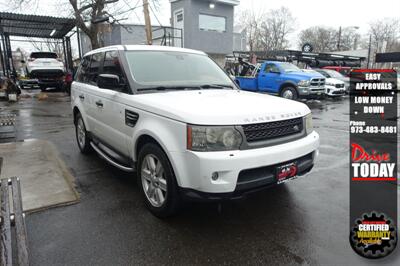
(275, 29)
(267, 31)
(89, 14)
(325, 39)
(321, 38)
(349, 39)
(385, 34)
(86, 16)
(250, 21)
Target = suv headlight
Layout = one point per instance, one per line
(309, 126)
(303, 83)
(210, 138)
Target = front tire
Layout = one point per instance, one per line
(157, 183)
(82, 137)
(289, 93)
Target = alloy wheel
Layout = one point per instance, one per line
(81, 133)
(153, 180)
(288, 94)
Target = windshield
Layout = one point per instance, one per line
(288, 67)
(334, 74)
(322, 72)
(169, 68)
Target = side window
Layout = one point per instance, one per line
(95, 62)
(82, 73)
(271, 68)
(112, 65)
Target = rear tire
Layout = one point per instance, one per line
(82, 136)
(157, 182)
(289, 93)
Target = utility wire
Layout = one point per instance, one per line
(155, 15)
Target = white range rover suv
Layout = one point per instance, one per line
(178, 120)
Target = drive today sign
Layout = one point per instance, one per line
(373, 162)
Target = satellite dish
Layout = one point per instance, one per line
(307, 47)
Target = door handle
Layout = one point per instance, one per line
(99, 104)
(263, 76)
(81, 97)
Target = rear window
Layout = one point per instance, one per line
(44, 55)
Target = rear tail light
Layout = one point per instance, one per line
(59, 59)
(68, 77)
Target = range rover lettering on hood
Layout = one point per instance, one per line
(272, 117)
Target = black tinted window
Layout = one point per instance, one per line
(326, 75)
(83, 72)
(43, 55)
(112, 66)
(271, 68)
(95, 62)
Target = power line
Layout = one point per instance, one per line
(131, 9)
(155, 15)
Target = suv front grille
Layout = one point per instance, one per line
(317, 82)
(272, 130)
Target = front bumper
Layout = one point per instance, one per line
(251, 181)
(194, 170)
(333, 91)
(311, 92)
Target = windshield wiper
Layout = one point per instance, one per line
(200, 87)
(215, 86)
(165, 88)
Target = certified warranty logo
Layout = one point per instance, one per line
(373, 236)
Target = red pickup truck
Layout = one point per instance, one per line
(341, 69)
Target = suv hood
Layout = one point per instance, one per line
(304, 75)
(219, 107)
(333, 81)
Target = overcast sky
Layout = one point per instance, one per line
(332, 13)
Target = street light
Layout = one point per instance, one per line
(340, 35)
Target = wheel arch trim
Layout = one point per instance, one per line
(158, 141)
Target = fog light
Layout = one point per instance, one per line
(214, 176)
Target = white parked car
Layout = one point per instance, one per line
(47, 68)
(333, 87)
(177, 119)
(329, 73)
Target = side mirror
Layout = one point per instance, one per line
(108, 81)
(275, 72)
(23, 62)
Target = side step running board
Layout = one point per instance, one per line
(111, 161)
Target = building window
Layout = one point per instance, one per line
(179, 17)
(212, 23)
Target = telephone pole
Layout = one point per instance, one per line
(147, 22)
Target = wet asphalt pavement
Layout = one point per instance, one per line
(302, 222)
